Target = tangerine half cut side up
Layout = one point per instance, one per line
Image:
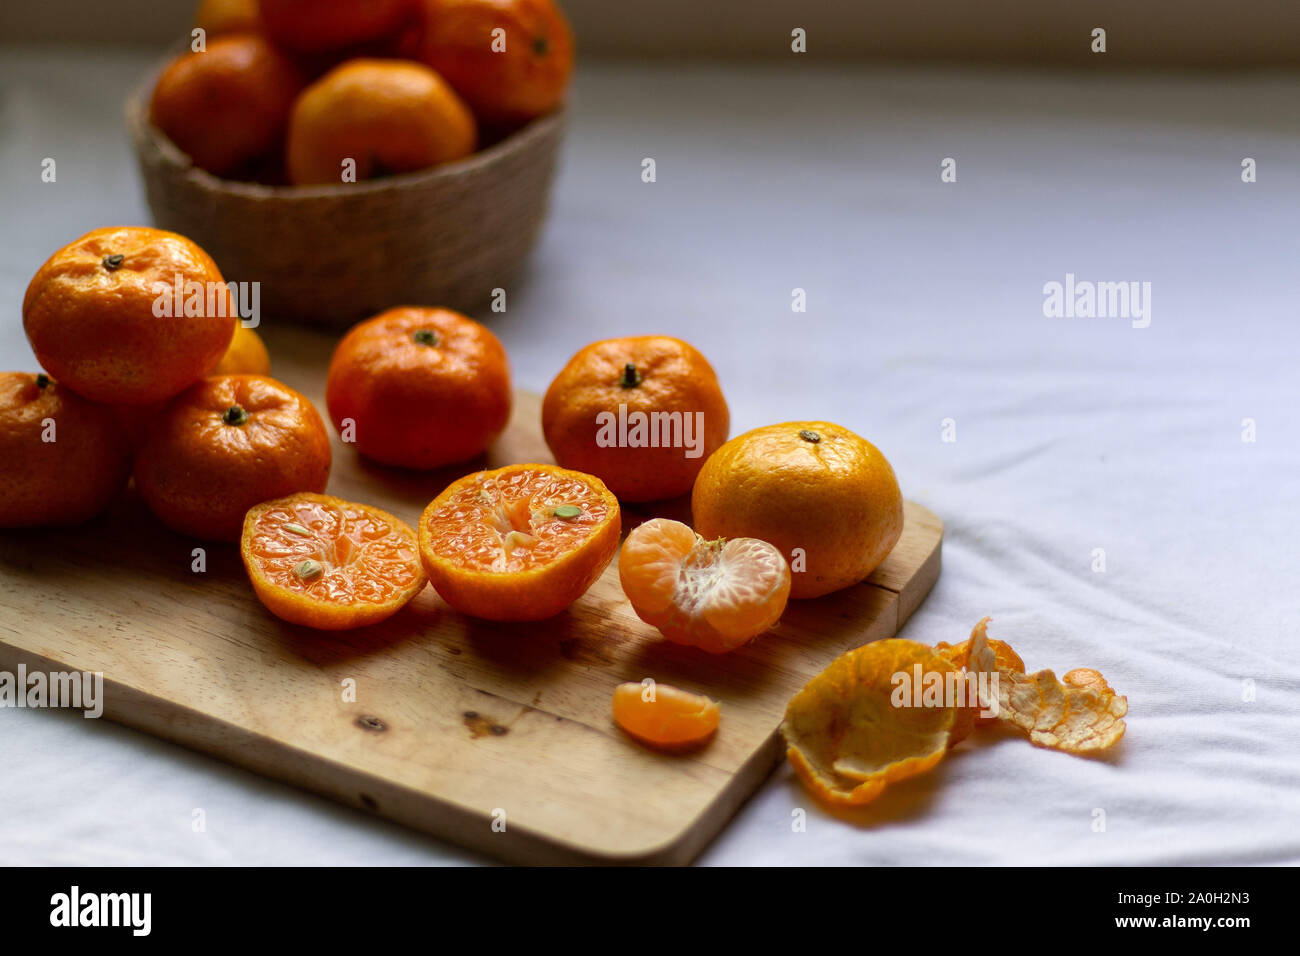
(716, 595)
(330, 564)
(519, 543)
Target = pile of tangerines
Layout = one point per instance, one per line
(323, 91)
(183, 402)
(180, 400)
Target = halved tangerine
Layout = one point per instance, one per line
(665, 717)
(520, 543)
(328, 563)
(715, 595)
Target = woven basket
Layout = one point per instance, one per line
(331, 255)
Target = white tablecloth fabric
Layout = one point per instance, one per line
(925, 303)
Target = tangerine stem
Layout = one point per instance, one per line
(235, 415)
(631, 377)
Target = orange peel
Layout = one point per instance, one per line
(846, 735)
(1080, 714)
(1004, 658)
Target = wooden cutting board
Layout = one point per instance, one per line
(494, 736)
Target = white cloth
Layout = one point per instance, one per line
(925, 303)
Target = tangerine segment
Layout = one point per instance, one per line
(663, 716)
(715, 595)
(851, 730)
(1079, 715)
(520, 543)
(328, 563)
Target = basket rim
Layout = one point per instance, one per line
(146, 135)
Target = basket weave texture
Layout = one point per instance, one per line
(331, 255)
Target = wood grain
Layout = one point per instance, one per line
(455, 720)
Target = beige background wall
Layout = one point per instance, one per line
(1139, 32)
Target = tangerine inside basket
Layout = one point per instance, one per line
(331, 255)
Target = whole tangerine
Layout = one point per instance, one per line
(219, 17)
(384, 116)
(247, 354)
(826, 497)
(317, 26)
(65, 457)
(419, 387)
(228, 106)
(507, 77)
(640, 413)
(225, 444)
(129, 315)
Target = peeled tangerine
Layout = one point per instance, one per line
(664, 717)
(715, 595)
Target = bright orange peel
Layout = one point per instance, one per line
(1004, 658)
(846, 734)
(1079, 715)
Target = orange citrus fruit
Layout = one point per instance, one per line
(316, 26)
(247, 355)
(218, 17)
(856, 727)
(520, 543)
(421, 387)
(136, 420)
(384, 116)
(508, 77)
(824, 496)
(91, 314)
(664, 717)
(227, 106)
(715, 595)
(65, 458)
(225, 444)
(640, 413)
(327, 563)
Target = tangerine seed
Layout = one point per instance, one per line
(308, 569)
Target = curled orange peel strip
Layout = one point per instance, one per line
(1080, 714)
